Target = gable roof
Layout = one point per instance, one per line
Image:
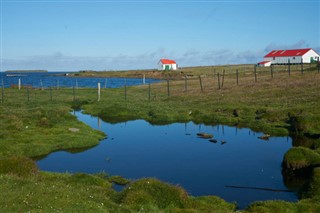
(286, 53)
(167, 61)
(264, 62)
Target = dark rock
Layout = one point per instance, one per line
(204, 135)
(264, 137)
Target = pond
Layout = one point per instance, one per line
(175, 154)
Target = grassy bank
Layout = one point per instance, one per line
(39, 122)
(35, 129)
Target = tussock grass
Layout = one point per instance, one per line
(18, 166)
(151, 191)
(301, 158)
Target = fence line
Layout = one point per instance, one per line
(189, 84)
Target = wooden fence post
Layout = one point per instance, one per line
(255, 73)
(237, 74)
(98, 91)
(318, 65)
(222, 78)
(301, 66)
(200, 83)
(219, 80)
(19, 83)
(271, 70)
(168, 87)
(144, 79)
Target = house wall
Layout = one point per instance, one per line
(268, 64)
(163, 66)
(174, 66)
(310, 54)
(284, 60)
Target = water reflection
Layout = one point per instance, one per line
(175, 154)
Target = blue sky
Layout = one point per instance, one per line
(74, 35)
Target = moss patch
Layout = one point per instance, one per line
(300, 157)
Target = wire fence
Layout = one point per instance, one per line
(217, 80)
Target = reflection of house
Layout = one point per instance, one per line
(167, 64)
(295, 56)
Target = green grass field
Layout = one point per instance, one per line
(36, 122)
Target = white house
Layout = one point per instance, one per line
(167, 64)
(295, 56)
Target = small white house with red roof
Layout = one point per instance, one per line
(167, 64)
(295, 56)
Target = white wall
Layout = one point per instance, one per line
(311, 53)
(268, 64)
(163, 66)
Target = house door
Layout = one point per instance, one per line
(167, 67)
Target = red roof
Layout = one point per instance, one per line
(167, 61)
(286, 53)
(263, 62)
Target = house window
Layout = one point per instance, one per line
(294, 58)
(274, 58)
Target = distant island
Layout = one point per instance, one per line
(26, 71)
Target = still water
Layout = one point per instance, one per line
(175, 154)
(61, 79)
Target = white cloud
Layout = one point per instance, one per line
(298, 45)
(147, 60)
